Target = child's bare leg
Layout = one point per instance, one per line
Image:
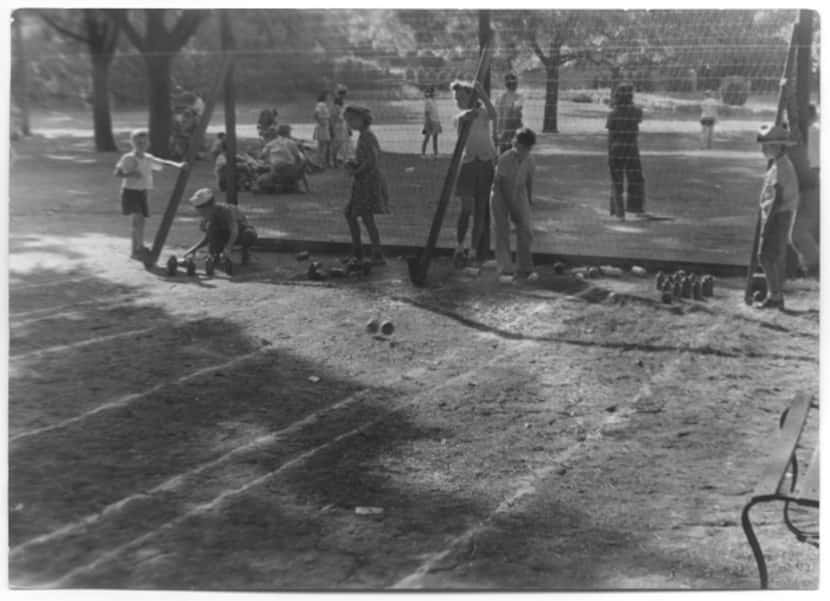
(424, 144)
(374, 236)
(435, 144)
(137, 231)
(461, 227)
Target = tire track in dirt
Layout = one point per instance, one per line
(525, 486)
(706, 349)
(125, 400)
(161, 502)
(60, 348)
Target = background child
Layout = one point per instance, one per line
(779, 202)
(224, 226)
(623, 126)
(135, 169)
(708, 117)
(322, 131)
(432, 122)
(510, 200)
(370, 195)
(339, 133)
(509, 107)
(476, 175)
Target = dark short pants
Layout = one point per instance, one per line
(218, 238)
(134, 201)
(708, 122)
(775, 236)
(474, 182)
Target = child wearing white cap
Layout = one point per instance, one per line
(224, 226)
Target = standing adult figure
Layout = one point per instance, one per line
(509, 108)
(623, 125)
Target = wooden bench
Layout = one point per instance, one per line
(781, 481)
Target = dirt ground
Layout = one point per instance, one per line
(229, 433)
(223, 434)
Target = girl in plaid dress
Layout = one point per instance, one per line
(370, 195)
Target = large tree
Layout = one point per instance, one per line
(163, 35)
(98, 30)
(561, 37)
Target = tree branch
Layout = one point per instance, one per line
(186, 26)
(61, 29)
(538, 50)
(120, 18)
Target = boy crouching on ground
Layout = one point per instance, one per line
(779, 203)
(224, 226)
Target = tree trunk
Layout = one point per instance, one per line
(22, 73)
(550, 123)
(158, 99)
(101, 110)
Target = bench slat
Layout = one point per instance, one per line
(807, 486)
(784, 445)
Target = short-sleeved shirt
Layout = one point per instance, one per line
(518, 173)
(623, 125)
(431, 111)
(282, 151)
(147, 163)
(781, 173)
(709, 109)
(223, 218)
(480, 141)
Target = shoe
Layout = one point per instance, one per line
(532, 276)
(459, 259)
(770, 303)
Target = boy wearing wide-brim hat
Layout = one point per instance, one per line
(778, 204)
(224, 226)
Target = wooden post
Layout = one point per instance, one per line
(484, 33)
(228, 47)
(194, 143)
(21, 91)
(419, 265)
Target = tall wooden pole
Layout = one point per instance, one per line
(228, 46)
(21, 91)
(484, 33)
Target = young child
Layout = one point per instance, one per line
(135, 169)
(623, 126)
(510, 200)
(708, 117)
(476, 175)
(370, 195)
(779, 202)
(224, 226)
(432, 122)
(339, 133)
(322, 131)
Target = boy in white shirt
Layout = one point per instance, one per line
(476, 175)
(136, 170)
